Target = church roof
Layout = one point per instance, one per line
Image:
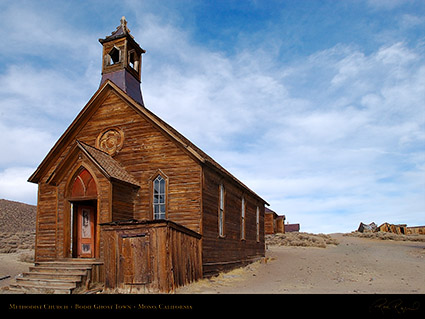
(111, 167)
(90, 107)
(103, 161)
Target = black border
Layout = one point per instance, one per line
(366, 305)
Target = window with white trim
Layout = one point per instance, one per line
(159, 198)
(257, 218)
(243, 218)
(221, 212)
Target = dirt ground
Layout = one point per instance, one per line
(356, 266)
(11, 265)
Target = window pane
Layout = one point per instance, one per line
(258, 223)
(159, 197)
(221, 197)
(220, 223)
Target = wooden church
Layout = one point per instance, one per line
(124, 192)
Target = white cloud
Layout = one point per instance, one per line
(34, 30)
(350, 157)
(23, 145)
(14, 185)
(330, 140)
(408, 21)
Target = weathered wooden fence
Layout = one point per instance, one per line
(150, 256)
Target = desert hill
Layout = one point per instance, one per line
(17, 226)
(16, 216)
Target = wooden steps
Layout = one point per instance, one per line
(58, 277)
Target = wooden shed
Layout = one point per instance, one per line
(280, 224)
(420, 230)
(270, 221)
(292, 228)
(273, 223)
(118, 161)
(400, 229)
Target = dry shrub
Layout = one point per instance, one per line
(11, 242)
(27, 257)
(387, 236)
(300, 239)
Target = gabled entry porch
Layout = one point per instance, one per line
(92, 188)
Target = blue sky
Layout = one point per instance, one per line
(319, 106)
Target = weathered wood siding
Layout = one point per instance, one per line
(123, 201)
(146, 153)
(155, 256)
(45, 244)
(420, 230)
(230, 250)
(280, 225)
(269, 223)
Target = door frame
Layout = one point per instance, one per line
(74, 206)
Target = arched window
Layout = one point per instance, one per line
(159, 198)
(84, 185)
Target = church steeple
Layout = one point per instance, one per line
(122, 61)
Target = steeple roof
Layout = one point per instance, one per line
(121, 31)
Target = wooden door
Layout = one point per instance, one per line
(85, 231)
(134, 260)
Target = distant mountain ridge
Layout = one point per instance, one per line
(17, 216)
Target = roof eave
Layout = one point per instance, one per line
(100, 93)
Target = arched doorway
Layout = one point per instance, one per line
(83, 200)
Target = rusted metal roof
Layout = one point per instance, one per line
(367, 227)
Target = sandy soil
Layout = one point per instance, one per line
(10, 265)
(356, 265)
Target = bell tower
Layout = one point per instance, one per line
(122, 61)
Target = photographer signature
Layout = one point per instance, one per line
(396, 305)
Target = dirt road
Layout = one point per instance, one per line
(10, 265)
(356, 265)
